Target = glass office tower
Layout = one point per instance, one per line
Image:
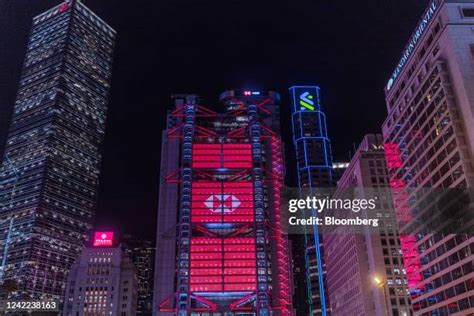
(50, 171)
(314, 168)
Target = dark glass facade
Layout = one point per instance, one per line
(142, 254)
(50, 171)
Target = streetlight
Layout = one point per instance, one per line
(380, 283)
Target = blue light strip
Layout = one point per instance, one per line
(312, 137)
(314, 213)
(316, 167)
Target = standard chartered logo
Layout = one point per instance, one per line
(306, 101)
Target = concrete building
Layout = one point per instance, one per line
(50, 173)
(354, 258)
(429, 144)
(102, 281)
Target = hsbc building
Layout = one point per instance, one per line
(220, 245)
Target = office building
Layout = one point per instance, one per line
(142, 253)
(220, 246)
(102, 281)
(338, 169)
(314, 168)
(50, 171)
(355, 257)
(429, 144)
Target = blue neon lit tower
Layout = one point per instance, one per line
(314, 163)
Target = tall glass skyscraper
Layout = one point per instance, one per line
(315, 167)
(50, 171)
(142, 253)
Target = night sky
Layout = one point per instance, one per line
(348, 48)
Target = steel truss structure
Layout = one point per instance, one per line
(232, 257)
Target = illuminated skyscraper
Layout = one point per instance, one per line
(314, 167)
(220, 246)
(429, 145)
(50, 172)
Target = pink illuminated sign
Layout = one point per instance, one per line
(103, 239)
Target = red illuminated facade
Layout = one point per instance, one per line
(220, 246)
(403, 214)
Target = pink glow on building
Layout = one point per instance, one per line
(103, 239)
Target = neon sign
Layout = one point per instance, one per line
(430, 12)
(306, 101)
(305, 98)
(226, 203)
(222, 202)
(103, 239)
(250, 93)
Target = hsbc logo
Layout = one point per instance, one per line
(218, 203)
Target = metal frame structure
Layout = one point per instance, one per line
(232, 257)
(304, 117)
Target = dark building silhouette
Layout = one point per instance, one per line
(142, 253)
